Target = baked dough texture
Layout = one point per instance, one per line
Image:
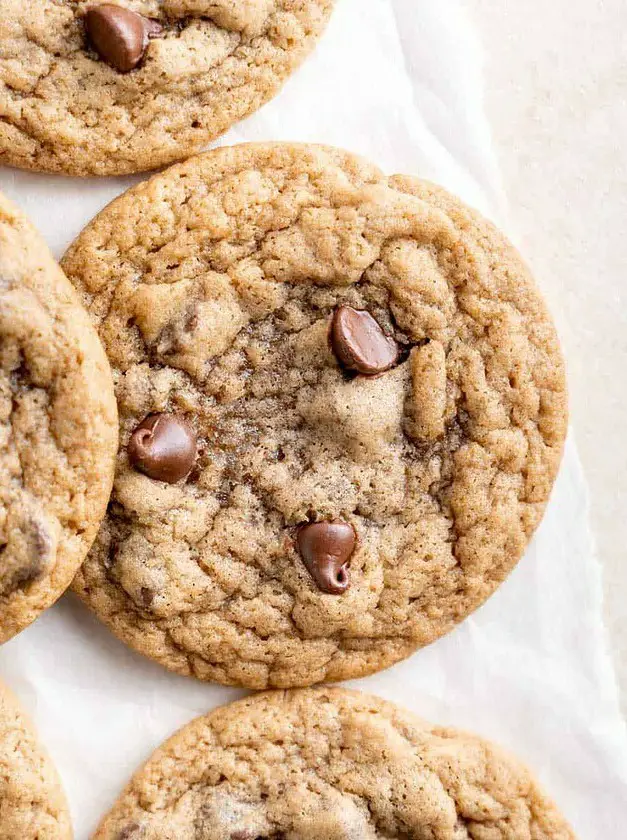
(329, 764)
(58, 427)
(64, 109)
(32, 802)
(213, 286)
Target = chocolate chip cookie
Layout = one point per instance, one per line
(58, 427)
(32, 803)
(342, 408)
(329, 765)
(97, 88)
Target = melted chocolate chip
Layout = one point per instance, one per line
(129, 832)
(119, 36)
(163, 447)
(326, 548)
(21, 577)
(28, 574)
(147, 596)
(359, 343)
(29, 556)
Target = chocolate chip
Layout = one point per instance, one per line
(130, 831)
(28, 556)
(164, 447)
(119, 36)
(21, 577)
(359, 342)
(147, 596)
(28, 574)
(326, 548)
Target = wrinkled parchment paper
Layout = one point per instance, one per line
(399, 81)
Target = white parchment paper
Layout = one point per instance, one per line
(400, 82)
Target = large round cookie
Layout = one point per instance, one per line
(58, 427)
(88, 87)
(32, 802)
(358, 353)
(329, 765)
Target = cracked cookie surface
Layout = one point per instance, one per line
(58, 427)
(332, 764)
(214, 287)
(32, 802)
(63, 108)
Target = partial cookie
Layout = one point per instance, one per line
(58, 427)
(93, 88)
(342, 408)
(32, 802)
(329, 765)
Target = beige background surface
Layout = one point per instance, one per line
(556, 79)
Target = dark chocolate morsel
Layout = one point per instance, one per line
(359, 343)
(163, 447)
(29, 555)
(326, 548)
(147, 596)
(119, 36)
(129, 832)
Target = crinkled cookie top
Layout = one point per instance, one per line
(32, 802)
(58, 427)
(147, 83)
(342, 409)
(329, 765)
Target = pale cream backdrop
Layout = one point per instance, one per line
(555, 79)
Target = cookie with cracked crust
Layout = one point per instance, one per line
(342, 408)
(332, 764)
(94, 88)
(32, 802)
(58, 427)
